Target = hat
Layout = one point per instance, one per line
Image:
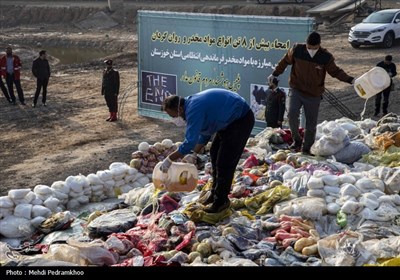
(108, 61)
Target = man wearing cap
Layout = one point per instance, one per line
(110, 89)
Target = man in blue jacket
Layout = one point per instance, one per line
(213, 111)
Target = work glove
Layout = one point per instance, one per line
(271, 78)
(190, 158)
(166, 164)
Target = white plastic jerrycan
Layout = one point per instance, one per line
(372, 82)
(181, 177)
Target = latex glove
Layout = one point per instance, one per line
(190, 158)
(271, 78)
(166, 164)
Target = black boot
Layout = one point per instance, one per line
(218, 206)
(296, 145)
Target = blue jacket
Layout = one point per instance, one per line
(210, 111)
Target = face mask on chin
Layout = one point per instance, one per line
(312, 52)
(179, 121)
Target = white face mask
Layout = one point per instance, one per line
(179, 121)
(312, 52)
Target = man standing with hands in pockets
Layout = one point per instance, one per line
(41, 71)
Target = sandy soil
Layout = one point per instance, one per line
(70, 136)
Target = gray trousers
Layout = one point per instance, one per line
(310, 106)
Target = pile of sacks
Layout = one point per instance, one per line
(354, 193)
(335, 140)
(23, 210)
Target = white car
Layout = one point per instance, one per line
(381, 27)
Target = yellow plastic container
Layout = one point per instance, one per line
(181, 177)
(372, 82)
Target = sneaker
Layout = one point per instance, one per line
(33, 105)
(296, 145)
(44, 104)
(217, 208)
(14, 103)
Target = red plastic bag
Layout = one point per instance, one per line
(250, 162)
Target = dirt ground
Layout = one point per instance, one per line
(70, 136)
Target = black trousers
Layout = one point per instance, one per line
(41, 83)
(112, 102)
(4, 89)
(274, 124)
(226, 150)
(385, 104)
(10, 81)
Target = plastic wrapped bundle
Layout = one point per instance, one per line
(352, 152)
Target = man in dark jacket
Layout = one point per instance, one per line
(310, 63)
(41, 71)
(110, 89)
(275, 105)
(390, 68)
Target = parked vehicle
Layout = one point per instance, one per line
(265, 1)
(381, 27)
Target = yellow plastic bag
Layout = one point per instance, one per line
(386, 262)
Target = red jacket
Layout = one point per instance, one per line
(17, 66)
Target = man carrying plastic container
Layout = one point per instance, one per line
(213, 111)
(310, 63)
